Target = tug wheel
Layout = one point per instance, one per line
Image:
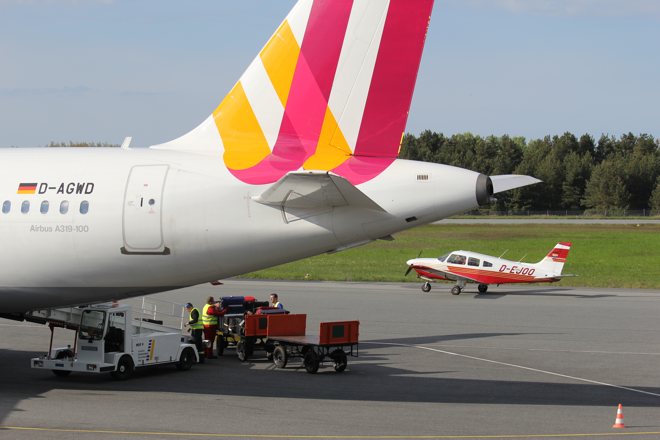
(186, 359)
(64, 354)
(241, 351)
(125, 368)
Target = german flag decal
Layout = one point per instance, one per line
(27, 188)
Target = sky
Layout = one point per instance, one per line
(101, 70)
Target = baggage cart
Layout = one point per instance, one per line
(283, 336)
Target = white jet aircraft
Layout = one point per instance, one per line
(300, 158)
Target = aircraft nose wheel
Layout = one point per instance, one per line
(456, 290)
(426, 287)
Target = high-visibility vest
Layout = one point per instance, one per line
(198, 325)
(208, 319)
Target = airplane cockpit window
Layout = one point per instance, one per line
(456, 259)
(473, 261)
(6, 207)
(442, 258)
(64, 207)
(488, 264)
(84, 207)
(44, 207)
(25, 206)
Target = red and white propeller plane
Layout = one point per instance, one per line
(470, 267)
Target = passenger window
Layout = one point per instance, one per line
(6, 207)
(456, 259)
(44, 207)
(84, 207)
(487, 264)
(25, 206)
(64, 207)
(473, 262)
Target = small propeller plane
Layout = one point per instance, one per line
(470, 267)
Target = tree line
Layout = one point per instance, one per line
(609, 175)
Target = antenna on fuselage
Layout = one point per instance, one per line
(503, 253)
(522, 258)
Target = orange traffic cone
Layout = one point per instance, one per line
(618, 423)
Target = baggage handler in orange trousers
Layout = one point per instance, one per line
(211, 319)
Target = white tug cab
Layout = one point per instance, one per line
(108, 339)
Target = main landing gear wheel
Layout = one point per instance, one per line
(426, 287)
(483, 288)
(456, 290)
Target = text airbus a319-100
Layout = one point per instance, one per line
(299, 159)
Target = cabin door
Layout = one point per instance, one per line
(143, 211)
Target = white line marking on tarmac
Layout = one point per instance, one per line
(521, 367)
(551, 350)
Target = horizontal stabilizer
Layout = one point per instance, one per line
(511, 181)
(314, 189)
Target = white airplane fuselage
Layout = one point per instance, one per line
(298, 159)
(202, 224)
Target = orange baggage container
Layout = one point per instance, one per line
(256, 325)
(340, 332)
(286, 325)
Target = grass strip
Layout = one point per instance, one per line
(625, 256)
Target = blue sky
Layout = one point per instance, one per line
(100, 70)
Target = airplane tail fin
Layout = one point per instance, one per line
(330, 91)
(554, 261)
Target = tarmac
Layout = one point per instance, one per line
(532, 362)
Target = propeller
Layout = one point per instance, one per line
(411, 266)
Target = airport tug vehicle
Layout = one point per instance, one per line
(108, 339)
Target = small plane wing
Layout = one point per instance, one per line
(314, 190)
(506, 182)
(449, 275)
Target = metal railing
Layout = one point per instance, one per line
(160, 311)
(565, 213)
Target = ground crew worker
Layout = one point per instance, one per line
(210, 318)
(275, 302)
(196, 328)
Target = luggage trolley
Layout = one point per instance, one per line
(283, 337)
(252, 333)
(335, 341)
